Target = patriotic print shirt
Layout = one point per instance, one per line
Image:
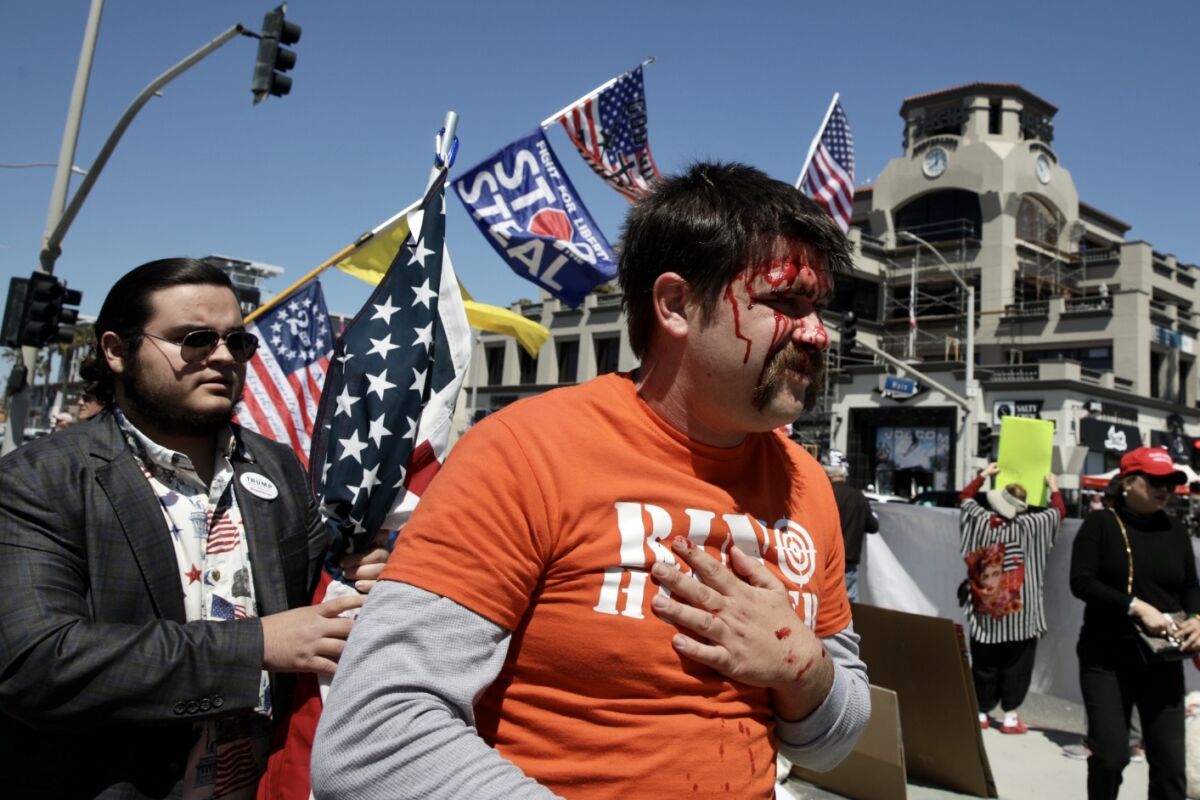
(215, 574)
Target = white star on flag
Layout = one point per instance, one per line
(379, 384)
(424, 293)
(345, 401)
(385, 311)
(370, 479)
(424, 336)
(352, 447)
(420, 377)
(377, 430)
(420, 253)
(382, 346)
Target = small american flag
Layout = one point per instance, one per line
(384, 423)
(227, 609)
(829, 178)
(285, 377)
(609, 128)
(222, 536)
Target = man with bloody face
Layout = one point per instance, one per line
(631, 587)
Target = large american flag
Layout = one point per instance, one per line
(609, 128)
(285, 377)
(829, 178)
(384, 423)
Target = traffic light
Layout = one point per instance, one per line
(273, 58)
(849, 332)
(49, 316)
(984, 446)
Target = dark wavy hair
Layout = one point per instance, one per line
(127, 308)
(707, 225)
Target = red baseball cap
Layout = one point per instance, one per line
(1151, 461)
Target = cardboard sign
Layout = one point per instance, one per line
(924, 660)
(874, 770)
(1026, 452)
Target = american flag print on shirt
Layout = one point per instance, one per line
(610, 131)
(829, 179)
(285, 377)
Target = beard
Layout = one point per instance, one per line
(164, 411)
(805, 360)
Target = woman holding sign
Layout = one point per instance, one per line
(1005, 547)
(1133, 566)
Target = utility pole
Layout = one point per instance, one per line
(61, 214)
(18, 404)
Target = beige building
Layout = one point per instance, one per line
(1075, 323)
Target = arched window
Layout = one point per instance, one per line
(1037, 222)
(948, 214)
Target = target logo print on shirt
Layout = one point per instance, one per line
(796, 552)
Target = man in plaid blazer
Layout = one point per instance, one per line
(156, 564)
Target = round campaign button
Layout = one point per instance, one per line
(259, 486)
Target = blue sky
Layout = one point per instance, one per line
(289, 182)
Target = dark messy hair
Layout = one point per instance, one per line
(128, 307)
(709, 224)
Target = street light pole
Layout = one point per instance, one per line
(971, 391)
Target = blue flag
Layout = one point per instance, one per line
(525, 205)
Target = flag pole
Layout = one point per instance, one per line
(445, 142)
(812, 148)
(546, 123)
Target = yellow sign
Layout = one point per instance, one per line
(1026, 450)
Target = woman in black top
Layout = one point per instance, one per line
(1114, 674)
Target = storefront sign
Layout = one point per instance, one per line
(1025, 409)
(1108, 437)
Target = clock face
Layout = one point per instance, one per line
(935, 162)
(1041, 168)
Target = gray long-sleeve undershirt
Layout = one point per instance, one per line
(399, 719)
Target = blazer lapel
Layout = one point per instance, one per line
(141, 517)
(270, 586)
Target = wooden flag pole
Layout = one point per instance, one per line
(812, 148)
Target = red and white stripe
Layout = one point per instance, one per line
(281, 406)
(831, 186)
(223, 536)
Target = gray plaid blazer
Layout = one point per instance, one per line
(101, 677)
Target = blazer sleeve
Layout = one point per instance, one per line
(63, 670)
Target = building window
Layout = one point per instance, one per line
(567, 351)
(495, 364)
(1094, 358)
(528, 365)
(608, 350)
(995, 109)
(941, 216)
(1037, 222)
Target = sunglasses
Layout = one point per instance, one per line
(1160, 481)
(198, 345)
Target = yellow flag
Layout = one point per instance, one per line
(370, 261)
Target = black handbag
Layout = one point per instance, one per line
(1155, 647)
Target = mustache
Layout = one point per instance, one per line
(806, 360)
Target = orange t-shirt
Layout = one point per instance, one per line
(546, 520)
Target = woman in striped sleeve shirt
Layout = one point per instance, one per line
(1005, 548)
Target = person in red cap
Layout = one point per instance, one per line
(1130, 565)
(1005, 548)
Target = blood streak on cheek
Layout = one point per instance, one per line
(737, 321)
(783, 633)
(804, 669)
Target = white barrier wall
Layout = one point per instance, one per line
(913, 565)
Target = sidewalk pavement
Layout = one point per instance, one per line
(1025, 767)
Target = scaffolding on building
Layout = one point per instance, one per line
(929, 299)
